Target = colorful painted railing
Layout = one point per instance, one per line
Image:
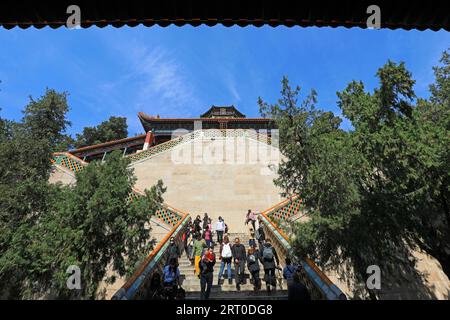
(286, 209)
(68, 161)
(74, 164)
(236, 133)
(138, 286)
(166, 214)
(318, 284)
(160, 148)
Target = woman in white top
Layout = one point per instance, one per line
(220, 229)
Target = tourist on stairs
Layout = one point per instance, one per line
(207, 272)
(253, 267)
(270, 261)
(205, 221)
(171, 275)
(210, 224)
(174, 251)
(225, 257)
(190, 247)
(207, 235)
(251, 237)
(251, 217)
(199, 246)
(289, 271)
(240, 257)
(197, 224)
(211, 230)
(220, 229)
(260, 235)
(185, 239)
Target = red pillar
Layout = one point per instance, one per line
(149, 140)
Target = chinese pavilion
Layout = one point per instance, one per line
(158, 130)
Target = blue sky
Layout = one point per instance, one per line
(180, 72)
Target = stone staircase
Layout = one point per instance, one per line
(226, 291)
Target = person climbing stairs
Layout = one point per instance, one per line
(227, 291)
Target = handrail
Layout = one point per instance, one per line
(131, 288)
(329, 290)
(171, 217)
(68, 154)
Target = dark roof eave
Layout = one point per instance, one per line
(399, 14)
(107, 144)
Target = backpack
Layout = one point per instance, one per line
(268, 253)
(252, 258)
(289, 271)
(173, 252)
(226, 250)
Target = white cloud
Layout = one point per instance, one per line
(230, 84)
(162, 83)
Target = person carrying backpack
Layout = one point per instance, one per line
(270, 261)
(174, 251)
(253, 267)
(289, 271)
(225, 256)
(240, 257)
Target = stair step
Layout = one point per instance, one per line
(241, 295)
(195, 283)
(227, 288)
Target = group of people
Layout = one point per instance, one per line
(199, 247)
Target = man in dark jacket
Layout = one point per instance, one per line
(270, 261)
(206, 273)
(174, 251)
(240, 257)
(197, 224)
(253, 267)
(205, 221)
